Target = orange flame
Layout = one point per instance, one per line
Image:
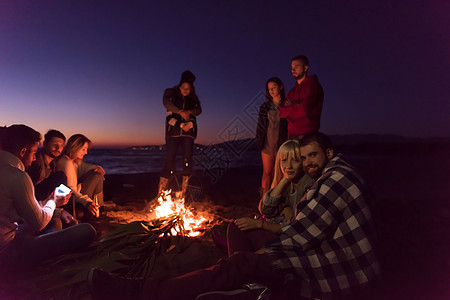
(191, 224)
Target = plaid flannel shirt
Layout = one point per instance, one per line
(329, 245)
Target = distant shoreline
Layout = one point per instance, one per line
(340, 140)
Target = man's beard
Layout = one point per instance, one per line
(315, 173)
(299, 76)
(52, 155)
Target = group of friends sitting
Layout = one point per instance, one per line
(315, 238)
(36, 221)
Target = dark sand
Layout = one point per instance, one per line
(413, 216)
(413, 219)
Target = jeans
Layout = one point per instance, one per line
(172, 145)
(229, 273)
(28, 250)
(91, 184)
(247, 241)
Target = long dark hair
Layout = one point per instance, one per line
(280, 84)
(188, 77)
(192, 93)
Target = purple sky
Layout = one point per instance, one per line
(100, 67)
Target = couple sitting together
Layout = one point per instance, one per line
(315, 239)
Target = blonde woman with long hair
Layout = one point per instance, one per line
(84, 179)
(278, 204)
(289, 185)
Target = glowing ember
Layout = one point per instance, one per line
(189, 224)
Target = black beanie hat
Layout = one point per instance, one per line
(187, 76)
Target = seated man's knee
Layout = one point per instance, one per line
(86, 231)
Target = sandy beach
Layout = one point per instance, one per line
(413, 218)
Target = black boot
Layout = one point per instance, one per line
(104, 285)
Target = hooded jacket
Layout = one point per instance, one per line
(174, 102)
(303, 114)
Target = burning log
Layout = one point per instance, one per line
(192, 221)
(187, 222)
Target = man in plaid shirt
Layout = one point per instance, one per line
(330, 243)
(327, 251)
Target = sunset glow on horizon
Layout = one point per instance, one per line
(100, 68)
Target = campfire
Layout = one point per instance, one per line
(169, 208)
(141, 232)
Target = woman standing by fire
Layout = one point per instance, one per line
(183, 107)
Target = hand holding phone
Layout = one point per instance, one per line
(61, 195)
(62, 190)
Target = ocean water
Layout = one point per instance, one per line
(409, 177)
(128, 161)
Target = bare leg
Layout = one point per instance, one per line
(268, 162)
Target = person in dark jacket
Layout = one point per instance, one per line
(183, 107)
(271, 131)
(42, 170)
